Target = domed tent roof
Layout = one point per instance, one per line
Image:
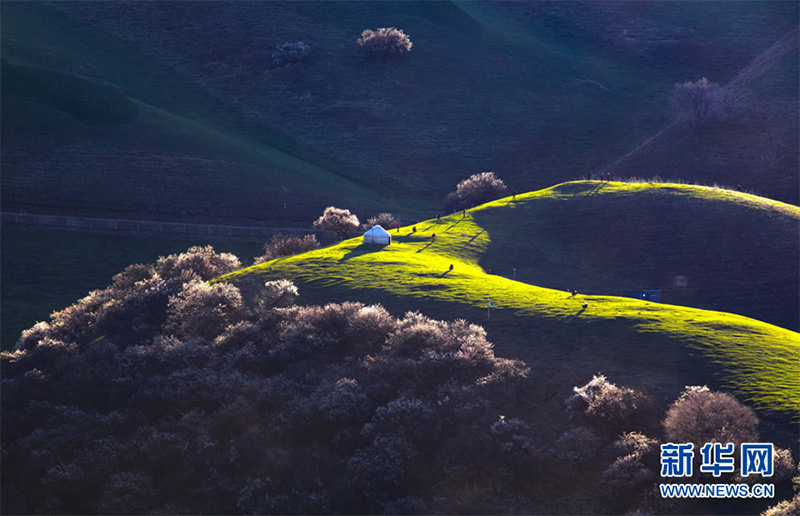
(377, 235)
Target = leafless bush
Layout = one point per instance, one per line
(476, 189)
(384, 43)
(277, 294)
(577, 446)
(625, 481)
(338, 221)
(607, 408)
(290, 52)
(701, 416)
(285, 245)
(693, 101)
(127, 493)
(785, 508)
(514, 448)
(385, 220)
(784, 465)
(634, 443)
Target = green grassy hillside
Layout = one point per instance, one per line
(703, 247)
(752, 143)
(91, 125)
(657, 347)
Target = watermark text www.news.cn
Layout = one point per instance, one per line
(677, 461)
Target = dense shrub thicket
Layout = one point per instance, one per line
(286, 245)
(164, 393)
(476, 189)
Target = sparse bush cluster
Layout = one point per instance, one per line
(384, 220)
(290, 52)
(286, 245)
(384, 43)
(215, 404)
(476, 189)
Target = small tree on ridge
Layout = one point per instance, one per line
(476, 189)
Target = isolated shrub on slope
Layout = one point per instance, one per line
(290, 52)
(693, 101)
(384, 43)
(476, 189)
(608, 409)
(338, 221)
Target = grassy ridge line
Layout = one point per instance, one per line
(758, 361)
(572, 189)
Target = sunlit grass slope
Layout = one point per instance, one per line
(703, 247)
(656, 346)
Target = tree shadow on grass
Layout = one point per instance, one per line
(361, 250)
(427, 246)
(454, 224)
(596, 189)
(576, 315)
(476, 235)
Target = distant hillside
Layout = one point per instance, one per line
(91, 126)
(707, 248)
(539, 92)
(654, 346)
(755, 144)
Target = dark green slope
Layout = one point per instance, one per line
(539, 92)
(92, 126)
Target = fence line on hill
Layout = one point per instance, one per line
(146, 227)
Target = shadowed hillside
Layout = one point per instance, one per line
(94, 127)
(754, 144)
(654, 346)
(540, 92)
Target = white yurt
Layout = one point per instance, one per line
(377, 235)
